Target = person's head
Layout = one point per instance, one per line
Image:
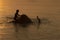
(37, 16)
(17, 10)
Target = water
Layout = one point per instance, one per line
(48, 30)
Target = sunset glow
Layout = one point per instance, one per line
(29, 7)
(1, 3)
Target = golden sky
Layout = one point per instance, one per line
(30, 7)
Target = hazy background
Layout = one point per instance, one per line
(42, 8)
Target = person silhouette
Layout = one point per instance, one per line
(38, 19)
(16, 15)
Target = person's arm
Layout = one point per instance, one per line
(18, 15)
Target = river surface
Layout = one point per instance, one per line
(49, 29)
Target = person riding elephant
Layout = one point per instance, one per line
(16, 14)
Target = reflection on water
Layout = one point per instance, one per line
(43, 31)
(15, 32)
